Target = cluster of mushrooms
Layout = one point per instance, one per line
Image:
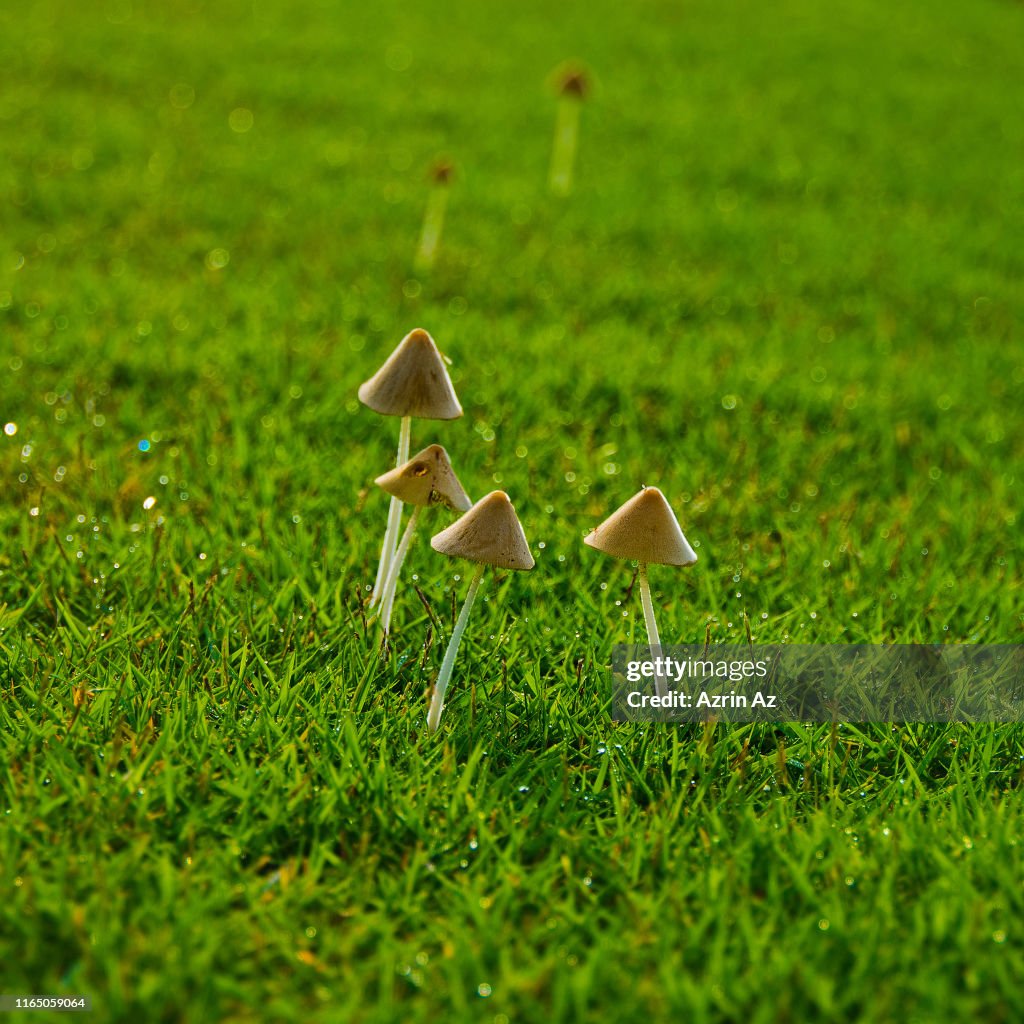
(414, 382)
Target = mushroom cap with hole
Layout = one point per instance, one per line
(490, 532)
(413, 382)
(426, 479)
(645, 529)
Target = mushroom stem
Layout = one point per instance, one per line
(653, 640)
(433, 224)
(437, 701)
(563, 156)
(391, 583)
(387, 551)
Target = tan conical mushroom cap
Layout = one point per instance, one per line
(426, 479)
(490, 532)
(645, 528)
(413, 382)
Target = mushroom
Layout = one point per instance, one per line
(573, 84)
(645, 529)
(426, 479)
(489, 534)
(433, 216)
(412, 382)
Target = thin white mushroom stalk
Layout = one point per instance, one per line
(445, 675)
(387, 551)
(573, 86)
(391, 583)
(653, 639)
(563, 154)
(433, 225)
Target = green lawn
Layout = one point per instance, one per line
(787, 289)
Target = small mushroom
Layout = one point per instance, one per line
(489, 534)
(412, 382)
(573, 85)
(426, 479)
(433, 216)
(645, 529)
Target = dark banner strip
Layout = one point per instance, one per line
(819, 683)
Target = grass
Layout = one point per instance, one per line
(786, 289)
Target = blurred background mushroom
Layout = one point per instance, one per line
(441, 175)
(573, 84)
